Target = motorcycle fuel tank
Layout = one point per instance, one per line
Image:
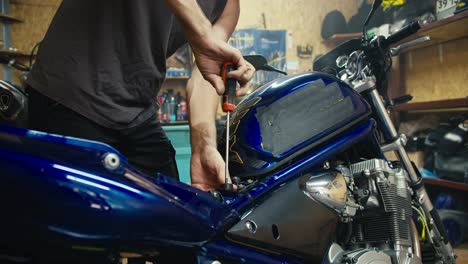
(288, 117)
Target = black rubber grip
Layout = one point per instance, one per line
(439, 225)
(403, 33)
(229, 95)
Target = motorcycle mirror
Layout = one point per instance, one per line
(256, 60)
(261, 64)
(375, 6)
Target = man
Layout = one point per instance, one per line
(101, 64)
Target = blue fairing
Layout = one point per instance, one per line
(55, 186)
(58, 184)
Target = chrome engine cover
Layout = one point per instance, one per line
(337, 255)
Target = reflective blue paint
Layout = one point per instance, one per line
(86, 202)
(246, 133)
(95, 177)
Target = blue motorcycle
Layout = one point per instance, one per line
(306, 153)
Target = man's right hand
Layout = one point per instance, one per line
(211, 53)
(209, 43)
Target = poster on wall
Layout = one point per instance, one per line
(269, 43)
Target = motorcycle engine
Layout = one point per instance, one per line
(381, 230)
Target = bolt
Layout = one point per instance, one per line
(111, 161)
(251, 226)
(236, 180)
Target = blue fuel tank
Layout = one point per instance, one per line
(288, 117)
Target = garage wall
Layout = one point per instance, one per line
(303, 19)
(37, 15)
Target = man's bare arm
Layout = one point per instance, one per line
(209, 49)
(207, 165)
(191, 16)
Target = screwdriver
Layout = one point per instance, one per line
(228, 106)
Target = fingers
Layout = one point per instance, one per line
(243, 75)
(217, 82)
(236, 57)
(210, 69)
(239, 73)
(221, 172)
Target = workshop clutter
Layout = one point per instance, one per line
(171, 108)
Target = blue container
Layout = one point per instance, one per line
(179, 135)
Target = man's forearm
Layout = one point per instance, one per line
(202, 103)
(194, 21)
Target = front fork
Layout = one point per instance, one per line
(438, 233)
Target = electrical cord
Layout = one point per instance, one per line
(423, 217)
(31, 56)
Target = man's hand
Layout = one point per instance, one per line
(211, 54)
(209, 45)
(207, 168)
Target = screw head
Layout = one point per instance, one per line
(251, 226)
(111, 161)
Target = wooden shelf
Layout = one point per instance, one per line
(337, 39)
(434, 105)
(175, 123)
(177, 77)
(448, 184)
(454, 27)
(4, 18)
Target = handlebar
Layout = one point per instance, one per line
(402, 34)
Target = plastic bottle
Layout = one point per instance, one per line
(180, 117)
(160, 102)
(172, 105)
(183, 109)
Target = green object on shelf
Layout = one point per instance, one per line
(179, 135)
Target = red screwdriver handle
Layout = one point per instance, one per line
(229, 95)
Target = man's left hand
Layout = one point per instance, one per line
(207, 168)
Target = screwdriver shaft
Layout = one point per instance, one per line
(226, 170)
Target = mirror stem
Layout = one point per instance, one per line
(375, 6)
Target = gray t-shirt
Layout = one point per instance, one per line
(106, 59)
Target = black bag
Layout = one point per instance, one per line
(447, 154)
(452, 167)
(333, 23)
(357, 21)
